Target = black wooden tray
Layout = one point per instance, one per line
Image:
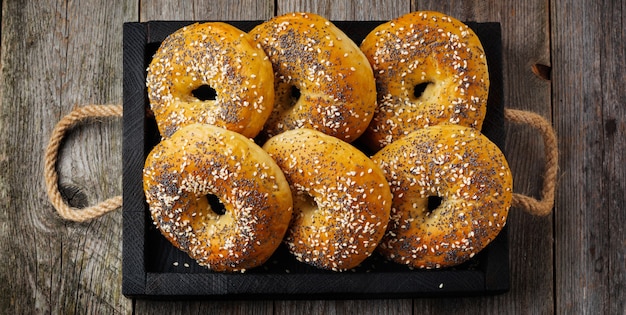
(153, 268)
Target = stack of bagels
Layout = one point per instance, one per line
(274, 140)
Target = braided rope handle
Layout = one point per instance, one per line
(543, 206)
(531, 205)
(52, 177)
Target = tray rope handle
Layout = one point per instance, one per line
(51, 176)
(545, 205)
(531, 205)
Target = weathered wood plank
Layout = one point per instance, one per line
(368, 10)
(525, 40)
(57, 55)
(206, 10)
(331, 307)
(588, 76)
(243, 307)
(613, 54)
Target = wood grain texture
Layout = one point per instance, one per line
(613, 54)
(198, 10)
(56, 56)
(589, 111)
(345, 10)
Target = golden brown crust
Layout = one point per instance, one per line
(335, 80)
(341, 198)
(222, 57)
(200, 160)
(429, 49)
(470, 175)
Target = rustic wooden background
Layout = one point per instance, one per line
(56, 55)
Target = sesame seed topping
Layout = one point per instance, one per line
(423, 165)
(330, 100)
(405, 54)
(336, 222)
(182, 65)
(213, 166)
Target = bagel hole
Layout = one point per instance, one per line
(216, 205)
(304, 203)
(204, 93)
(433, 203)
(295, 94)
(419, 89)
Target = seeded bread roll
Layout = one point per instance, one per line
(341, 198)
(200, 160)
(323, 81)
(430, 69)
(205, 57)
(462, 169)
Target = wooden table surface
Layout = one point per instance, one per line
(56, 55)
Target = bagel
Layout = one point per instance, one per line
(322, 79)
(201, 58)
(341, 198)
(465, 171)
(200, 160)
(430, 69)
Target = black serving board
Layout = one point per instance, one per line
(153, 268)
